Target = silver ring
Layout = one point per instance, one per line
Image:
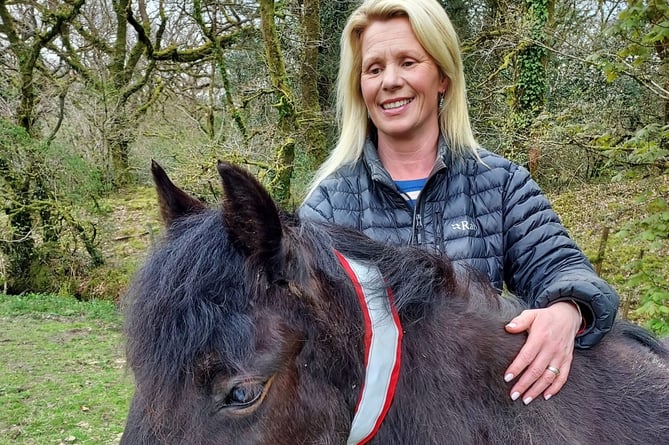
(554, 370)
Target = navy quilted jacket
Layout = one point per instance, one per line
(490, 215)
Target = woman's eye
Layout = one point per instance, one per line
(243, 395)
(373, 69)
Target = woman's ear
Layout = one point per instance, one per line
(445, 81)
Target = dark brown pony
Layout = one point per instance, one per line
(243, 328)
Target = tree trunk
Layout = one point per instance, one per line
(529, 92)
(662, 49)
(284, 154)
(117, 131)
(31, 196)
(118, 137)
(20, 248)
(312, 119)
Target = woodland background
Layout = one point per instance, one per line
(91, 90)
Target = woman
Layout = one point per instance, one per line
(407, 169)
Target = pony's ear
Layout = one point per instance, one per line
(251, 218)
(174, 202)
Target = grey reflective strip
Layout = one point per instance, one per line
(382, 355)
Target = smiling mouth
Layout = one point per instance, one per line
(395, 104)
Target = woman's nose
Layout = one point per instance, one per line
(392, 77)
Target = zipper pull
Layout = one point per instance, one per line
(419, 229)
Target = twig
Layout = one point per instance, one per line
(3, 273)
(127, 237)
(602, 250)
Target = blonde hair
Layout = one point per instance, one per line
(436, 34)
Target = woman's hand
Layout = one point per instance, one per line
(550, 344)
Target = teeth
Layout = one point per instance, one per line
(396, 104)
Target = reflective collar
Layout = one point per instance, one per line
(383, 344)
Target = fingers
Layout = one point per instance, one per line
(534, 377)
(550, 342)
(543, 381)
(522, 322)
(558, 381)
(529, 351)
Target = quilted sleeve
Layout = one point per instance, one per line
(543, 265)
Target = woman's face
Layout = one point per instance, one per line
(400, 82)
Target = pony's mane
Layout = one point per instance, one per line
(419, 278)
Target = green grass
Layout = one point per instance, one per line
(63, 378)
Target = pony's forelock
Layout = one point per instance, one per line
(189, 296)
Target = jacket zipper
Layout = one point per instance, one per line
(419, 228)
(417, 231)
(438, 229)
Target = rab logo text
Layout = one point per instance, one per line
(465, 226)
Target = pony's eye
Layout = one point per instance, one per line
(239, 397)
(244, 395)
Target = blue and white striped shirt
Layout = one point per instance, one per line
(411, 188)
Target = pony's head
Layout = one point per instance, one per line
(222, 322)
